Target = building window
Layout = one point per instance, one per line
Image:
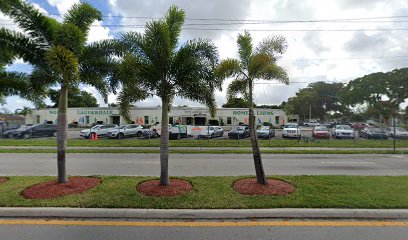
(171, 120)
(229, 120)
(146, 119)
(277, 120)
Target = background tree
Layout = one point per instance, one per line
(76, 98)
(253, 64)
(58, 53)
(236, 102)
(319, 99)
(23, 111)
(156, 64)
(384, 92)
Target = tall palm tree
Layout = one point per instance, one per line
(59, 55)
(253, 64)
(156, 64)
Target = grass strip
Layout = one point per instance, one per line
(375, 192)
(207, 151)
(344, 143)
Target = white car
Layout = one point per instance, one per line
(342, 131)
(100, 130)
(129, 130)
(291, 130)
(399, 132)
(214, 131)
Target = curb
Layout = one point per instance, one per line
(204, 213)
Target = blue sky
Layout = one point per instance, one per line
(313, 52)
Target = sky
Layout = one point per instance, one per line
(330, 40)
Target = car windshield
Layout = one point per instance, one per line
(240, 128)
(320, 128)
(399, 129)
(291, 126)
(264, 128)
(378, 130)
(344, 127)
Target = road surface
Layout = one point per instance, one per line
(288, 229)
(136, 164)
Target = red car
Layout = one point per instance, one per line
(358, 126)
(321, 132)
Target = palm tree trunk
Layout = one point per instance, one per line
(62, 134)
(260, 174)
(164, 144)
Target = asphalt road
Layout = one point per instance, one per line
(289, 231)
(137, 164)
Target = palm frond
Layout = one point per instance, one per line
(128, 95)
(258, 62)
(237, 87)
(228, 68)
(273, 46)
(273, 71)
(82, 15)
(174, 20)
(17, 45)
(158, 44)
(244, 42)
(71, 37)
(38, 26)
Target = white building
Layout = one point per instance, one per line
(151, 115)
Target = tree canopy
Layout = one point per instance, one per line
(322, 98)
(76, 98)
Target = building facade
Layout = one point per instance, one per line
(152, 115)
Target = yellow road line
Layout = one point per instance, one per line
(208, 224)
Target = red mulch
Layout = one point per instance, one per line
(52, 189)
(249, 186)
(3, 180)
(154, 189)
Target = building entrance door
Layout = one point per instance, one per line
(115, 120)
(199, 121)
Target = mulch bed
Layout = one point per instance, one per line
(52, 189)
(154, 189)
(249, 186)
(3, 180)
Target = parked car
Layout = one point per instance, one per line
(128, 130)
(321, 132)
(291, 130)
(214, 131)
(359, 126)
(311, 123)
(100, 130)
(399, 132)
(342, 131)
(239, 132)
(373, 132)
(9, 132)
(265, 132)
(39, 130)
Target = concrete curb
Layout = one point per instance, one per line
(204, 213)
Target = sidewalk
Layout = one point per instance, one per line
(277, 213)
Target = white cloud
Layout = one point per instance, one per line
(62, 5)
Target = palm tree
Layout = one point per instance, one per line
(23, 111)
(156, 64)
(59, 55)
(253, 64)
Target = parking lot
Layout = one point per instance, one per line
(306, 132)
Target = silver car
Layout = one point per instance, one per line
(99, 130)
(213, 132)
(265, 132)
(399, 132)
(129, 130)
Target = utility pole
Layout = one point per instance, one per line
(310, 112)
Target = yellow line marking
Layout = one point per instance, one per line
(209, 224)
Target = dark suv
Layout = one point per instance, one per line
(39, 130)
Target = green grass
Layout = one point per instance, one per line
(204, 143)
(207, 151)
(216, 192)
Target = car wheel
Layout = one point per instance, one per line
(54, 134)
(212, 135)
(139, 134)
(121, 135)
(26, 136)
